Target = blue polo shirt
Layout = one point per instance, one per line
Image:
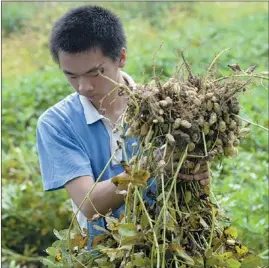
(68, 148)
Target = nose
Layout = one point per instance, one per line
(85, 86)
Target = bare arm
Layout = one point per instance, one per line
(103, 196)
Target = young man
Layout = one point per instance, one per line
(74, 137)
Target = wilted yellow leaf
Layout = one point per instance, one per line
(241, 250)
(226, 255)
(139, 178)
(58, 256)
(231, 232)
(141, 175)
(121, 181)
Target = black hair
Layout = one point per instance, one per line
(88, 27)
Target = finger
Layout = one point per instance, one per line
(204, 182)
(187, 177)
(201, 176)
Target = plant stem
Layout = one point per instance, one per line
(134, 207)
(164, 221)
(212, 63)
(251, 122)
(212, 228)
(150, 223)
(18, 257)
(175, 177)
(241, 75)
(174, 256)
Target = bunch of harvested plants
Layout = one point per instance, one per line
(183, 124)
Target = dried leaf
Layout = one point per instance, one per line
(98, 240)
(94, 217)
(181, 253)
(79, 240)
(203, 223)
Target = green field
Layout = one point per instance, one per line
(31, 83)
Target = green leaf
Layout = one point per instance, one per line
(51, 251)
(140, 260)
(127, 229)
(131, 240)
(215, 261)
(231, 263)
(57, 234)
(251, 261)
(208, 253)
(144, 221)
(103, 262)
(48, 263)
(62, 244)
(187, 196)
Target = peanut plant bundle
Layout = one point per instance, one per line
(183, 125)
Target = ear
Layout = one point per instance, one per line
(123, 57)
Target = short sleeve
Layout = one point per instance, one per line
(61, 158)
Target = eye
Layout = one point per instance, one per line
(71, 76)
(96, 73)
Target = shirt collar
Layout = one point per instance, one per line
(90, 112)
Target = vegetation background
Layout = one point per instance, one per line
(31, 83)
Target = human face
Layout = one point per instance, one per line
(82, 72)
